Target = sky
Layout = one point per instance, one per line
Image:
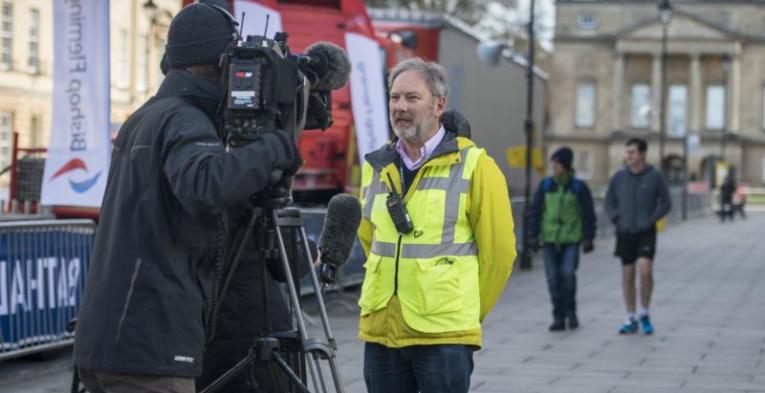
(502, 17)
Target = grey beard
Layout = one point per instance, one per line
(414, 135)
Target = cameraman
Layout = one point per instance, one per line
(163, 224)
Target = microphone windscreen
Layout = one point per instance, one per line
(340, 226)
(338, 65)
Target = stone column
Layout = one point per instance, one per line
(618, 92)
(656, 93)
(734, 91)
(696, 94)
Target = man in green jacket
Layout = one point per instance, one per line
(563, 212)
(437, 230)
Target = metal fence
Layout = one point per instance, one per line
(42, 273)
(699, 205)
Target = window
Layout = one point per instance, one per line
(678, 114)
(142, 63)
(583, 165)
(585, 105)
(33, 61)
(6, 130)
(122, 60)
(715, 107)
(6, 35)
(641, 106)
(587, 22)
(34, 131)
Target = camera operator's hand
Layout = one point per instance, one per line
(587, 246)
(292, 162)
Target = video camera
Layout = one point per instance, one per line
(268, 87)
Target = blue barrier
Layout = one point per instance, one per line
(42, 273)
(43, 264)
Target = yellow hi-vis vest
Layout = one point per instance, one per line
(434, 269)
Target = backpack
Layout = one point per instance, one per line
(576, 185)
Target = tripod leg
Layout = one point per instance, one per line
(321, 375)
(290, 374)
(228, 375)
(75, 381)
(313, 365)
(333, 366)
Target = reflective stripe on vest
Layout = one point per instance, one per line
(454, 185)
(375, 187)
(385, 249)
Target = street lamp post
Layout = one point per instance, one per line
(529, 128)
(684, 198)
(489, 53)
(665, 13)
(726, 65)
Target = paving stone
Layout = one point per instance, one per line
(708, 308)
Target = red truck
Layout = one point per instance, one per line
(331, 163)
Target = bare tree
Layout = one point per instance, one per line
(469, 11)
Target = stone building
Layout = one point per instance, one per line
(606, 85)
(138, 31)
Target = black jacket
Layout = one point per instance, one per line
(161, 232)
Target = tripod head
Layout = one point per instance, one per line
(275, 197)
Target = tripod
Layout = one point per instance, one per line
(272, 220)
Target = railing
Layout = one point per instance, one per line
(42, 273)
(26, 172)
(699, 205)
(754, 198)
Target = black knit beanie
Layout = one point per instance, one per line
(198, 35)
(563, 156)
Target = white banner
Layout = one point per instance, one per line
(367, 93)
(80, 144)
(255, 18)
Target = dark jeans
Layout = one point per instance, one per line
(420, 368)
(561, 263)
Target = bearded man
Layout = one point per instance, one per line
(437, 231)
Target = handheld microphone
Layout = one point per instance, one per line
(338, 234)
(329, 64)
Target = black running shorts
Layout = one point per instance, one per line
(631, 246)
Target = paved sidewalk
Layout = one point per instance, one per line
(708, 309)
